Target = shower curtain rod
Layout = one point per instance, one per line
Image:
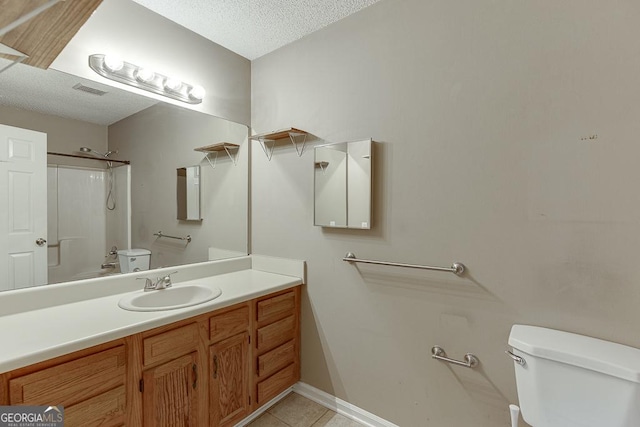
(126, 162)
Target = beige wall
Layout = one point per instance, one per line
(480, 109)
(63, 135)
(161, 139)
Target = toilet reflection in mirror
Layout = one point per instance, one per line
(343, 177)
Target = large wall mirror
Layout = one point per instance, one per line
(343, 177)
(120, 190)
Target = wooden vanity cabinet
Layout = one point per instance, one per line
(209, 370)
(277, 344)
(174, 367)
(229, 366)
(90, 384)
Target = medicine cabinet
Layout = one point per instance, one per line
(188, 193)
(342, 185)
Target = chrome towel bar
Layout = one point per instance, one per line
(159, 234)
(470, 360)
(457, 267)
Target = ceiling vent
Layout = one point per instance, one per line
(88, 89)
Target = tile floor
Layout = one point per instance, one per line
(297, 411)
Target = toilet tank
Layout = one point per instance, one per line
(134, 260)
(570, 380)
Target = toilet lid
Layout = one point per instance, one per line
(578, 350)
(134, 252)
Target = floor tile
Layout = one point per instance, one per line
(267, 420)
(331, 419)
(298, 411)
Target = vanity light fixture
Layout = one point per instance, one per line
(116, 69)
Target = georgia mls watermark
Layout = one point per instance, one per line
(31, 416)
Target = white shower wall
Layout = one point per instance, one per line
(79, 221)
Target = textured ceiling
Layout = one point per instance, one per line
(51, 92)
(253, 28)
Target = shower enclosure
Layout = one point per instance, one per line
(88, 214)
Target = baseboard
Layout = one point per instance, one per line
(261, 410)
(340, 406)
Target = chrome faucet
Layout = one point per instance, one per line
(162, 282)
(109, 265)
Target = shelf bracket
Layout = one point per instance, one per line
(294, 136)
(215, 159)
(233, 158)
(268, 150)
(323, 166)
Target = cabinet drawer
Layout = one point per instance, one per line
(68, 383)
(276, 307)
(276, 333)
(276, 384)
(228, 324)
(171, 344)
(276, 359)
(105, 410)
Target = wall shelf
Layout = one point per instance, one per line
(268, 140)
(228, 147)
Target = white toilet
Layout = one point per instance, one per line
(132, 260)
(569, 380)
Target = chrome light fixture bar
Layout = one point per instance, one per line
(120, 71)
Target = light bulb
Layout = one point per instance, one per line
(145, 75)
(113, 63)
(172, 83)
(197, 92)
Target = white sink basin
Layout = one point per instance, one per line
(169, 299)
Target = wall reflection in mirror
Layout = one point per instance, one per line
(97, 206)
(343, 177)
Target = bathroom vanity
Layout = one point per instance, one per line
(211, 364)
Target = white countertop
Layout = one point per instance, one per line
(43, 332)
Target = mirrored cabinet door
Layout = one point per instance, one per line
(343, 177)
(188, 193)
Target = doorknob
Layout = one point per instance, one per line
(41, 242)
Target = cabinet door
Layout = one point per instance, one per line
(229, 381)
(170, 393)
(91, 388)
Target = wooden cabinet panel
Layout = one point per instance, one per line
(275, 308)
(105, 410)
(44, 36)
(275, 384)
(170, 393)
(228, 324)
(71, 382)
(276, 333)
(171, 344)
(229, 382)
(276, 359)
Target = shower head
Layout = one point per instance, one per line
(97, 153)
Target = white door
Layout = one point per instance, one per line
(23, 208)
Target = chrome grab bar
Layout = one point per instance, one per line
(519, 360)
(457, 267)
(159, 234)
(470, 360)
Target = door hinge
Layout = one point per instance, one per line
(249, 399)
(141, 386)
